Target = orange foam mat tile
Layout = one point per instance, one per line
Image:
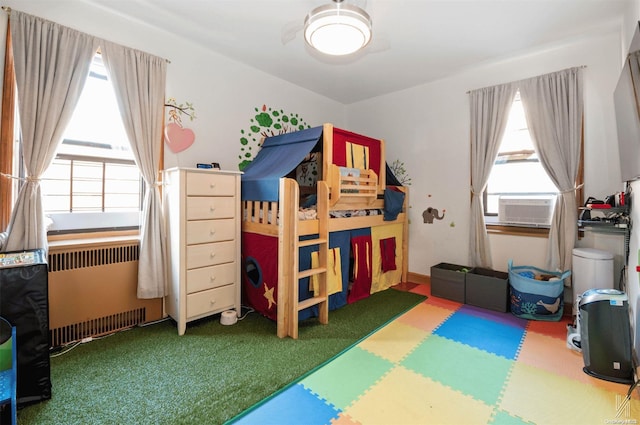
(541, 397)
(344, 420)
(550, 354)
(425, 316)
(553, 329)
(405, 397)
(421, 289)
(444, 303)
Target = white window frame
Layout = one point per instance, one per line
(527, 155)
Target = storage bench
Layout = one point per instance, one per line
(488, 289)
(448, 281)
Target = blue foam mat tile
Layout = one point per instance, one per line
(485, 334)
(295, 405)
(505, 318)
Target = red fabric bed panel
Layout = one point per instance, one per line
(341, 137)
(260, 273)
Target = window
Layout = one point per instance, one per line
(93, 182)
(517, 174)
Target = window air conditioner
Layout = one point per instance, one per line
(530, 210)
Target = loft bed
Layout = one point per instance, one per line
(320, 226)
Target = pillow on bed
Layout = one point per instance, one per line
(393, 200)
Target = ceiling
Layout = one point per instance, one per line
(414, 41)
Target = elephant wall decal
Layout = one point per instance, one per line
(431, 213)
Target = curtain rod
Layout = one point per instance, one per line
(8, 10)
(580, 67)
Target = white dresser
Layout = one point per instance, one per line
(202, 212)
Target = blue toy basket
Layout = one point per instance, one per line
(536, 299)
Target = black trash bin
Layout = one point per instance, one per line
(605, 335)
(24, 302)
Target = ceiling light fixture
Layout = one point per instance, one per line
(337, 29)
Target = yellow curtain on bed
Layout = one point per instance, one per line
(357, 156)
(382, 280)
(334, 273)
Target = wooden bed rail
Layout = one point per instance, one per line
(352, 192)
(260, 217)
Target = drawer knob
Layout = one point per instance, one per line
(212, 208)
(212, 232)
(212, 302)
(213, 254)
(212, 278)
(212, 185)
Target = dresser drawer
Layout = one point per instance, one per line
(203, 231)
(217, 299)
(211, 277)
(210, 254)
(205, 184)
(205, 208)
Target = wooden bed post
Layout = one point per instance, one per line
(327, 150)
(405, 236)
(289, 274)
(286, 260)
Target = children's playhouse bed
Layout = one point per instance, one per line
(320, 227)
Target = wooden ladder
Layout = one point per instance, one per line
(289, 245)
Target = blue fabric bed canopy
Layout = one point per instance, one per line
(278, 156)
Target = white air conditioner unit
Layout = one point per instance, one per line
(529, 210)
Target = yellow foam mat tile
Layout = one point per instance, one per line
(541, 397)
(425, 316)
(553, 355)
(395, 341)
(404, 397)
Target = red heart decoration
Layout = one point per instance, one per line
(177, 137)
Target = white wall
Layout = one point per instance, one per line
(633, 284)
(427, 127)
(224, 93)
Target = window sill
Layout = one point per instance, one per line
(85, 239)
(496, 228)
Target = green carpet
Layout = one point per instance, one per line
(209, 375)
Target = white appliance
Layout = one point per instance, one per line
(530, 210)
(592, 268)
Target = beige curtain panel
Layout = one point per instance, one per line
(52, 63)
(490, 109)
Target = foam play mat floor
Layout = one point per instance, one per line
(447, 363)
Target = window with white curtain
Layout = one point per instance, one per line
(93, 182)
(517, 172)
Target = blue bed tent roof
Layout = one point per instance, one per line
(278, 156)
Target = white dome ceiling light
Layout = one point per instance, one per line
(337, 29)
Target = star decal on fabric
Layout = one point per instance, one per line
(268, 294)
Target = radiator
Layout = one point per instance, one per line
(92, 291)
